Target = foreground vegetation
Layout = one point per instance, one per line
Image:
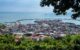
(70, 42)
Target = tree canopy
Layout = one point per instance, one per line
(61, 6)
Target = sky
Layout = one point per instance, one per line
(22, 6)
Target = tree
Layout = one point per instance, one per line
(61, 6)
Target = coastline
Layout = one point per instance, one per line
(31, 21)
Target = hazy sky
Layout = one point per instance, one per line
(22, 6)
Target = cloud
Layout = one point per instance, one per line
(22, 5)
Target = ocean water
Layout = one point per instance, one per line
(6, 17)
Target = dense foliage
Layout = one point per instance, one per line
(60, 6)
(70, 42)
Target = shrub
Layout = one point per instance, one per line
(70, 42)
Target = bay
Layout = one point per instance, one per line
(31, 16)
